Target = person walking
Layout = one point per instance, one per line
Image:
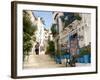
(73, 59)
(37, 48)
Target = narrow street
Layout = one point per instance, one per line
(45, 61)
(41, 61)
(60, 33)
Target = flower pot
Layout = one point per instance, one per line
(67, 56)
(89, 58)
(86, 58)
(58, 59)
(78, 60)
(81, 60)
(62, 57)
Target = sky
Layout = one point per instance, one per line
(47, 17)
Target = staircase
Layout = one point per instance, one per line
(41, 61)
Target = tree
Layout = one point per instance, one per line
(53, 29)
(65, 22)
(51, 48)
(68, 18)
(28, 26)
(77, 16)
(28, 33)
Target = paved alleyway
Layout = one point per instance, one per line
(41, 61)
(45, 61)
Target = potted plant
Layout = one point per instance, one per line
(85, 53)
(51, 48)
(58, 58)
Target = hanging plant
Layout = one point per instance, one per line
(78, 17)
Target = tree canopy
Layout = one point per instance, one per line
(28, 33)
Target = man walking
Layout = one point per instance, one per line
(37, 48)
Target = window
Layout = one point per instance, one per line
(82, 27)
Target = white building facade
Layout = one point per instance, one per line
(59, 26)
(77, 34)
(40, 36)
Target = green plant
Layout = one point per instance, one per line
(62, 52)
(53, 29)
(85, 50)
(51, 48)
(77, 16)
(28, 31)
(27, 44)
(65, 22)
(57, 54)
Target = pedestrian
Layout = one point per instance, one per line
(67, 58)
(37, 48)
(73, 59)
